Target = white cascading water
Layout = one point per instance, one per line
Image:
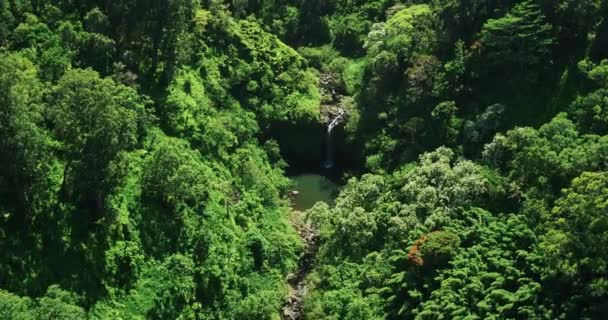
(329, 158)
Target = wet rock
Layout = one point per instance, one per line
(298, 288)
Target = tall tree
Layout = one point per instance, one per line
(521, 38)
(95, 119)
(575, 246)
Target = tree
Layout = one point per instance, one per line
(55, 304)
(492, 277)
(464, 18)
(439, 186)
(574, 245)
(408, 32)
(46, 47)
(574, 20)
(15, 307)
(411, 31)
(190, 113)
(176, 185)
(521, 38)
(549, 157)
(439, 247)
(59, 304)
(591, 112)
(173, 20)
(29, 170)
(349, 32)
(449, 125)
(95, 119)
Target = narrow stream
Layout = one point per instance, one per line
(311, 188)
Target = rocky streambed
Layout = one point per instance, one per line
(298, 288)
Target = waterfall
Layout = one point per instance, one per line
(329, 158)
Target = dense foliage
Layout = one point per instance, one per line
(133, 183)
(144, 147)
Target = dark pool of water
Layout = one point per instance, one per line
(311, 189)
